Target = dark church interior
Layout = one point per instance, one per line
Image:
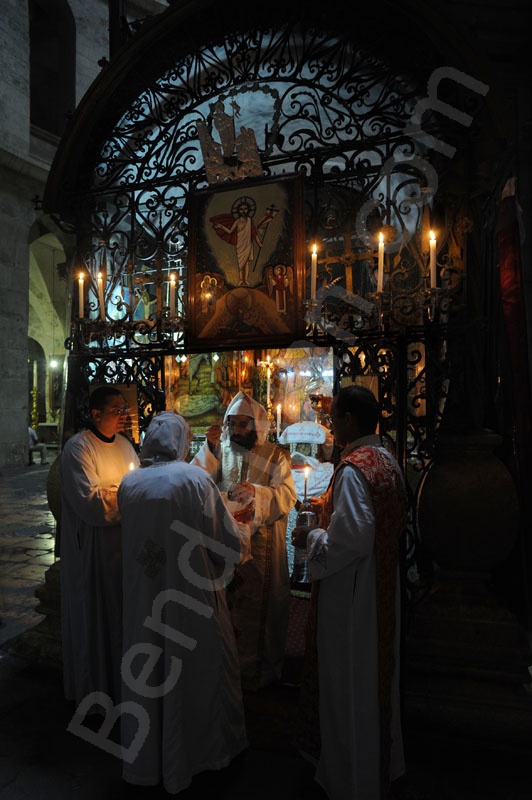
(383, 154)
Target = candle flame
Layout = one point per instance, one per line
(432, 237)
(278, 407)
(314, 249)
(99, 276)
(131, 465)
(381, 238)
(307, 471)
(172, 278)
(81, 276)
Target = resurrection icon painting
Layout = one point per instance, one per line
(247, 264)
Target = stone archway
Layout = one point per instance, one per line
(48, 316)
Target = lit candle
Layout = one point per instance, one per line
(268, 382)
(80, 296)
(313, 273)
(172, 295)
(278, 419)
(380, 268)
(100, 296)
(307, 470)
(432, 262)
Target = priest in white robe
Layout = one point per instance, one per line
(180, 661)
(353, 562)
(257, 473)
(92, 465)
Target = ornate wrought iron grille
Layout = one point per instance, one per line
(314, 105)
(317, 106)
(273, 102)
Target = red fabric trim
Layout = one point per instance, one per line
(389, 504)
(513, 309)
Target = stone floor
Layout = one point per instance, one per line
(27, 530)
(448, 758)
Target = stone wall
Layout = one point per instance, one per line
(16, 216)
(25, 160)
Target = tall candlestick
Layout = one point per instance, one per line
(81, 303)
(172, 295)
(278, 420)
(313, 273)
(100, 297)
(432, 262)
(380, 268)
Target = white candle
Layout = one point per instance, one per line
(432, 262)
(307, 470)
(100, 297)
(268, 385)
(380, 267)
(172, 295)
(80, 297)
(313, 273)
(278, 420)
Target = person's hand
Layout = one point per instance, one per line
(299, 536)
(213, 434)
(242, 493)
(316, 503)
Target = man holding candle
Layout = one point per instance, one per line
(353, 562)
(255, 472)
(93, 463)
